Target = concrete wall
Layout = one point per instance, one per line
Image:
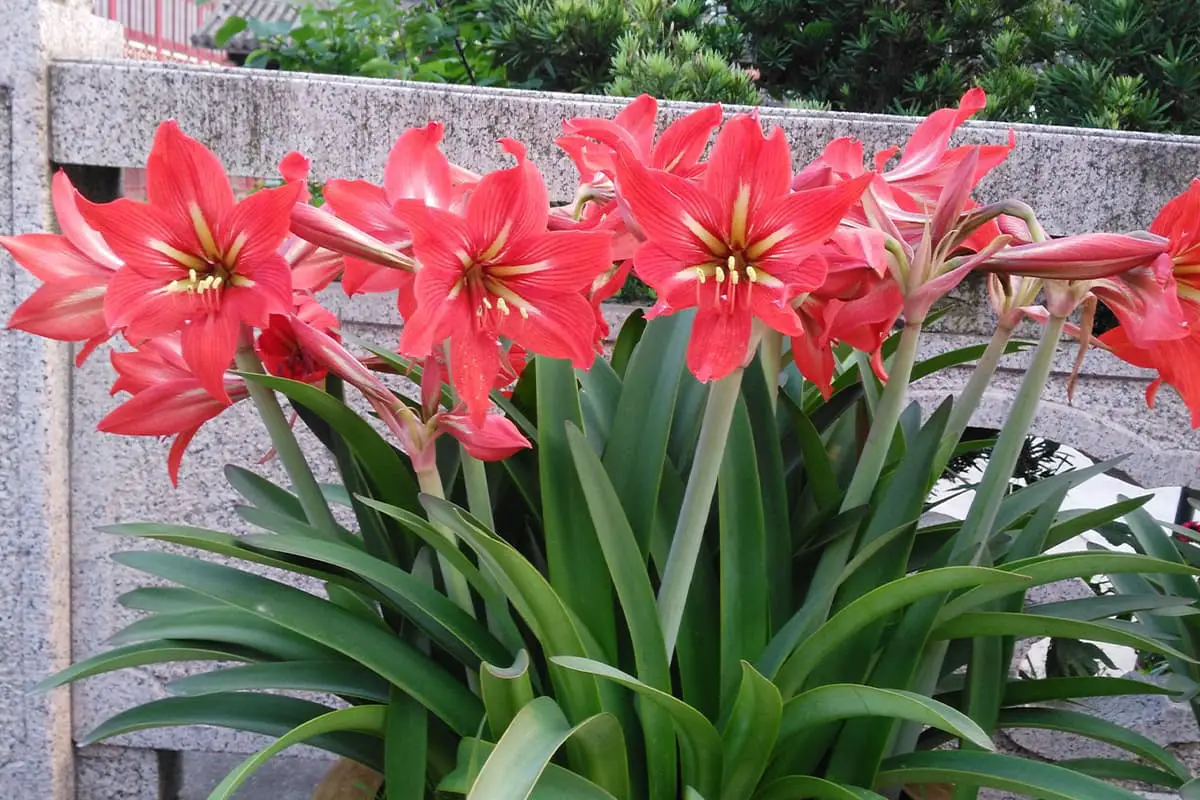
(102, 114)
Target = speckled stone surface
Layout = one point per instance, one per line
(35, 744)
(282, 778)
(116, 773)
(1076, 179)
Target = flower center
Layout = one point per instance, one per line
(490, 297)
(727, 278)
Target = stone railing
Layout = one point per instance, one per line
(61, 480)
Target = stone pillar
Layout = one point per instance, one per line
(36, 753)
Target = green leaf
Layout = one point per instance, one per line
(1111, 605)
(161, 651)
(637, 449)
(1157, 543)
(447, 624)
(326, 624)
(1035, 495)
(1114, 769)
(505, 692)
(263, 493)
(749, 734)
(630, 335)
(1024, 692)
(699, 742)
(599, 391)
(806, 787)
(230, 27)
(556, 783)
(406, 746)
(521, 756)
(344, 678)
(1008, 773)
(742, 554)
(166, 599)
(282, 523)
(874, 605)
(636, 596)
(834, 702)
(1096, 728)
(361, 719)
(1025, 626)
(1057, 567)
(572, 552)
(268, 714)
(228, 625)
(1075, 522)
(535, 601)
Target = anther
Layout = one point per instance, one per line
(217, 281)
(524, 313)
(720, 275)
(752, 274)
(700, 274)
(734, 276)
(732, 263)
(503, 306)
(487, 303)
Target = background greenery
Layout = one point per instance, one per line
(1123, 64)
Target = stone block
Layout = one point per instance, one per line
(281, 778)
(117, 773)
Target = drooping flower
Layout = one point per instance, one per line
(494, 270)
(195, 261)
(167, 399)
(75, 268)
(735, 245)
(281, 351)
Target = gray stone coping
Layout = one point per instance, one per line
(1077, 179)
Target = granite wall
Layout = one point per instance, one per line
(61, 586)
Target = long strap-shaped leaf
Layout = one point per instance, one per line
(327, 624)
(699, 741)
(505, 692)
(362, 719)
(749, 735)
(807, 787)
(636, 596)
(159, 651)
(555, 783)
(344, 678)
(834, 702)
(1010, 773)
(875, 604)
(524, 751)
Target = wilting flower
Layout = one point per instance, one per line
(494, 270)
(75, 269)
(167, 399)
(281, 351)
(736, 245)
(195, 261)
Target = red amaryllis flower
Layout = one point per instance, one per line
(167, 399)
(75, 269)
(196, 261)
(281, 351)
(736, 245)
(493, 271)
(863, 323)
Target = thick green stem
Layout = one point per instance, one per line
(287, 449)
(771, 355)
(697, 500)
(828, 574)
(970, 544)
(479, 499)
(968, 399)
(1003, 459)
(456, 585)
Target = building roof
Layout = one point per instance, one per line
(244, 41)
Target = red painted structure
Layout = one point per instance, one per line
(161, 30)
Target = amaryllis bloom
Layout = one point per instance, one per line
(167, 399)
(281, 351)
(736, 245)
(195, 261)
(75, 269)
(494, 270)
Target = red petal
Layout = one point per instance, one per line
(683, 142)
(208, 348)
(864, 323)
(144, 307)
(50, 257)
(366, 207)
(1179, 221)
(672, 212)
(73, 226)
(720, 343)
(554, 263)
(559, 328)
(1177, 362)
(163, 410)
(507, 206)
(261, 221)
(417, 169)
(137, 233)
(638, 119)
(175, 454)
(743, 160)
(294, 167)
(364, 277)
(1085, 257)
(775, 311)
(325, 230)
(184, 179)
(674, 281)
(69, 310)
(815, 362)
(927, 145)
(495, 439)
(474, 364)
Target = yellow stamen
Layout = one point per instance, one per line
(217, 281)
(524, 313)
(488, 303)
(701, 275)
(720, 275)
(503, 306)
(752, 274)
(191, 276)
(733, 277)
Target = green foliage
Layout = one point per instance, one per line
(442, 42)
(555, 681)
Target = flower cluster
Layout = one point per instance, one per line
(203, 287)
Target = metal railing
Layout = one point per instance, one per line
(161, 30)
